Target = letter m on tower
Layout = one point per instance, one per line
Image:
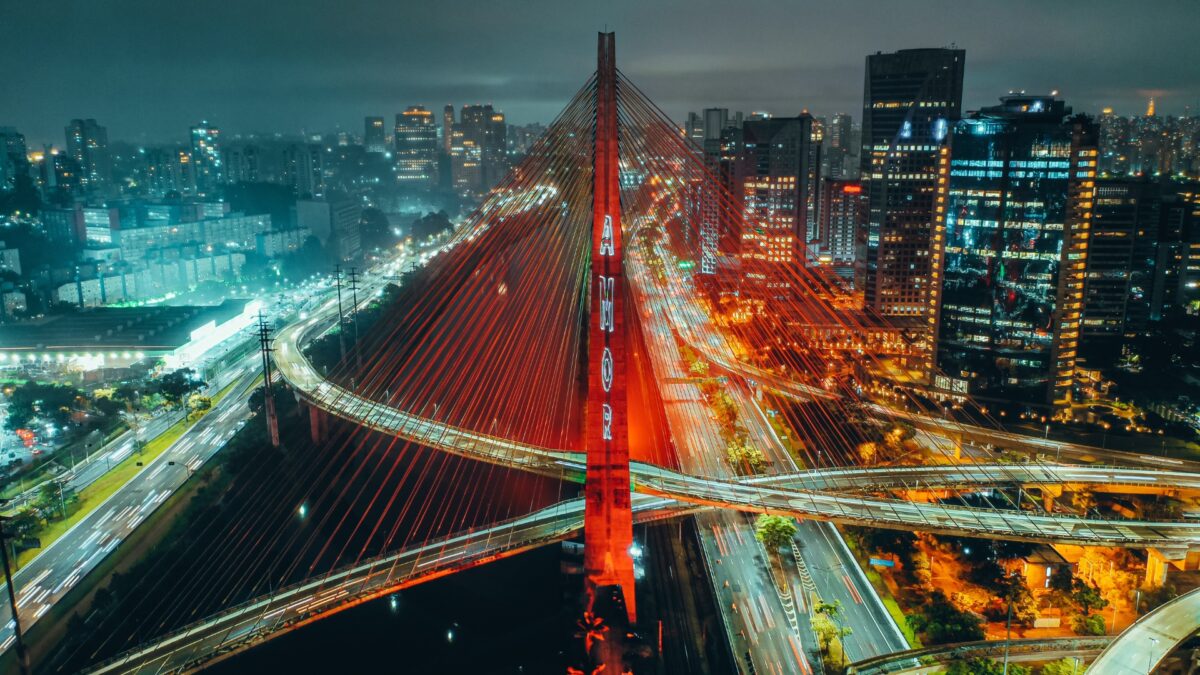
(608, 519)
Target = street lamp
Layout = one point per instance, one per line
(1150, 656)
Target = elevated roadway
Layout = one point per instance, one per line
(244, 626)
(1143, 646)
(934, 659)
(757, 497)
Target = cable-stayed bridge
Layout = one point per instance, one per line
(558, 334)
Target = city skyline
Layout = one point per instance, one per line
(388, 58)
(799, 340)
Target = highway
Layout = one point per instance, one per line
(61, 565)
(1141, 647)
(806, 503)
(762, 623)
(258, 620)
(58, 568)
(851, 509)
(827, 569)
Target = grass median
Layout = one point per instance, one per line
(103, 487)
(114, 479)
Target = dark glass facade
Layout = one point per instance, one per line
(911, 98)
(1018, 207)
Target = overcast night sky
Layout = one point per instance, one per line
(149, 69)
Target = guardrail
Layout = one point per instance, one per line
(1052, 648)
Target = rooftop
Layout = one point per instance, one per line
(154, 328)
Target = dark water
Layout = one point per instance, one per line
(505, 617)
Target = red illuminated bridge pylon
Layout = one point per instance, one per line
(608, 518)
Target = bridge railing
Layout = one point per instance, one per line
(557, 526)
(916, 658)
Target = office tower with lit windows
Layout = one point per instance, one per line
(1122, 263)
(207, 163)
(243, 163)
(479, 149)
(304, 169)
(416, 148)
(839, 142)
(87, 144)
(775, 176)
(910, 100)
(693, 130)
(375, 135)
(1018, 216)
(447, 128)
(842, 215)
(13, 161)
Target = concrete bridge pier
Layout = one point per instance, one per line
(1049, 494)
(318, 422)
(1159, 562)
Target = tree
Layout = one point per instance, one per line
(22, 524)
(699, 367)
(198, 404)
(743, 458)
(52, 402)
(774, 532)
(1087, 597)
(942, 623)
(376, 230)
(1064, 666)
(177, 385)
(52, 499)
(108, 406)
(430, 224)
(1088, 625)
(827, 624)
(830, 632)
(1062, 580)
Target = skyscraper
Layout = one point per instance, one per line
(1122, 261)
(243, 163)
(12, 157)
(1018, 185)
(207, 163)
(87, 144)
(479, 156)
(694, 129)
(304, 169)
(910, 100)
(775, 176)
(374, 134)
(416, 148)
(843, 212)
(447, 128)
(838, 146)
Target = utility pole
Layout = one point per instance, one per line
(1008, 621)
(22, 653)
(264, 342)
(337, 277)
(354, 276)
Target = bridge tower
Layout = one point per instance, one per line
(608, 518)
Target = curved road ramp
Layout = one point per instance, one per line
(934, 659)
(1144, 645)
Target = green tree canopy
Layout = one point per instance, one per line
(941, 623)
(774, 532)
(177, 385)
(51, 402)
